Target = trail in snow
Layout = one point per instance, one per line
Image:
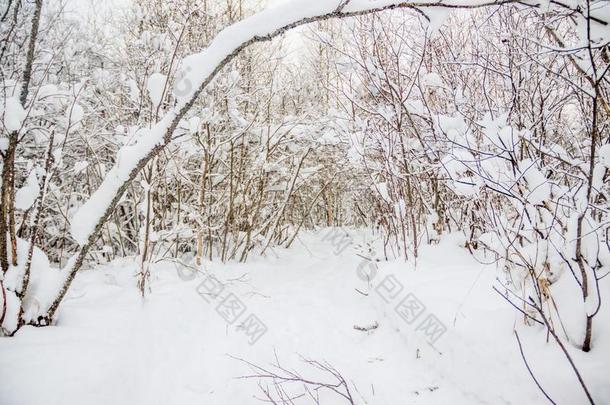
(111, 347)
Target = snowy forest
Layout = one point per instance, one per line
(304, 202)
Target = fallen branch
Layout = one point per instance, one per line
(367, 328)
(280, 378)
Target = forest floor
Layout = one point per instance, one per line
(453, 344)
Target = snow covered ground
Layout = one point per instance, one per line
(174, 347)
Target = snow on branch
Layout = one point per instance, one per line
(128, 158)
(198, 70)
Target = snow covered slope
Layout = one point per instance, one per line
(175, 347)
